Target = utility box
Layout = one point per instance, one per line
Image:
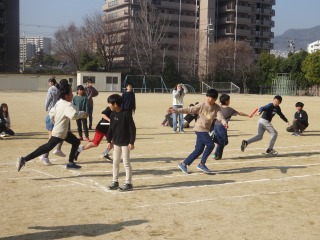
(102, 81)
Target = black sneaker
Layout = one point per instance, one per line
(244, 144)
(106, 156)
(21, 162)
(271, 151)
(114, 186)
(126, 187)
(72, 165)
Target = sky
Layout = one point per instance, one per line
(43, 17)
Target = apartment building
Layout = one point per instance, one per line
(9, 35)
(207, 20)
(314, 46)
(181, 16)
(30, 46)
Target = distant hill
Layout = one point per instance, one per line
(301, 38)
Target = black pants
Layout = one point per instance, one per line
(82, 122)
(53, 141)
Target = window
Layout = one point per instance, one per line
(112, 80)
(85, 79)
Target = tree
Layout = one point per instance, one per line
(294, 66)
(105, 36)
(232, 61)
(146, 37)
(170, 73)
(311, 68)
(70, 43)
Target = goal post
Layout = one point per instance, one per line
(221, 87)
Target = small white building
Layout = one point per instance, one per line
(102, 81)
(315, 46)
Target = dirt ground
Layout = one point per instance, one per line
(249, 195)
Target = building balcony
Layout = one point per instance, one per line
(264, 34)
(111, 5)
(183, 18)
(265, 23)
(231, 19)
(265, 11)
(272, 2)
(176, 5)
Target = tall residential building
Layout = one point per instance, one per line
(9, 35)
(207, 20)
(314, 46)
(181, 18)
(30, 46)
(238, 20)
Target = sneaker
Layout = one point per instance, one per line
(45, 160)
(87, 139)
(114, 186)
(244, 144)
(203, 168)
(106, 156)
(72, 165)
(126, 187)
(175, 131)
(181, 131)
(81, 138)
(216, 157)
(21, 162)
(59, 153)
(271, 151)
(183, 168)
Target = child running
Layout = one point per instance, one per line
(101, 131)
(60, 115)
(264, 124)
(207, 112)
(121, 136)
(220, 132)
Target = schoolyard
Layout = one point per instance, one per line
(249, 195)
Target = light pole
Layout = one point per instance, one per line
(209, 29)
(179, 37)
(235, 39)
(163, 57)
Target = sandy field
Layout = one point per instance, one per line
(249, 195)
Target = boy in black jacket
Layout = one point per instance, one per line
(300, 121)
(121, 137)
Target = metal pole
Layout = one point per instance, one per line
(179, 38)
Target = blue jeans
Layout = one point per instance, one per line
(175, 117)
(220, 138)
(203, 140)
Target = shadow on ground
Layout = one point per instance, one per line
(83, 230)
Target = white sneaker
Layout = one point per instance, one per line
(59, 153)
(45, 160)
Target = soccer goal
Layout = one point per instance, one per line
(221, 87)
(284, 85)
(144, 83)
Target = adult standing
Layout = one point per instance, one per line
(178, 94)
(91, 92)
(51, 100)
